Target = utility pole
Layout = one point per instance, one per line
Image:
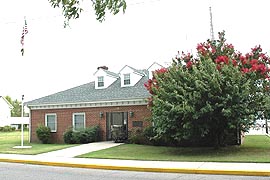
(211, 25)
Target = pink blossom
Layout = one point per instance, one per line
(245, 70)
(234, 62)
(189, 64)
(230, 46)
(253, 61)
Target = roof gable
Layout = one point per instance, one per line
(133, 75)
(107, 77)
(153, 67)
(108, 73)
(131, 70)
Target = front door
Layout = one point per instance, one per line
(116, 118)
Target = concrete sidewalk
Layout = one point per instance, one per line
(81, 149)
(66, 158)
(251, 169)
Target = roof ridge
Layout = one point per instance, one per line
(140, 71)
(111, 73)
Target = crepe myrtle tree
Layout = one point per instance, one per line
(218, 92)
(72, 8)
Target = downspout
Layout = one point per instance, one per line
(29, 129)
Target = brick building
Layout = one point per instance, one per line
(112, 99)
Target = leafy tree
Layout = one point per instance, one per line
(17, 108)
(72, 8)
(210, 96)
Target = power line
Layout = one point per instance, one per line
(143, 2)
(32, 19)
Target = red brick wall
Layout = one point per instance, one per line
(64, 119)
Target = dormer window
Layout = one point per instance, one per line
(130, 76)
(104, 78)
(100, 81)
(127, 79)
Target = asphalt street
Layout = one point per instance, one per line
(11, 171)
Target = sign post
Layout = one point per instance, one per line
(22, 134)
(22, 123)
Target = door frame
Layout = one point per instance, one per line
(109, 121)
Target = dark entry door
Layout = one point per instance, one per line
(116, 118)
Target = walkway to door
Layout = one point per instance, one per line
(81, 149)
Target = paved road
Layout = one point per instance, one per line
(11, 171)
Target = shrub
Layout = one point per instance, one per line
(149, 132)
(93, 133)
(43, 134)
(87, 135)
(148, 137)
(7, 129)
(68, 136)
(141, 137)
(76, 137)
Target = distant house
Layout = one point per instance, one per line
(112, 99)
(17, 121)
(5, 111)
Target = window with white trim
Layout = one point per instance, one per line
(78, 121)
(127, 79)
(100, 81)
(51, 121)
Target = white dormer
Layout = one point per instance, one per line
(153, 67)
(130, 76)
(104, 78)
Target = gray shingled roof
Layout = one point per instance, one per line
(88, 93)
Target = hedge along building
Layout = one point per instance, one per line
(112, 99)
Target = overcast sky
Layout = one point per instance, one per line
(58, 58)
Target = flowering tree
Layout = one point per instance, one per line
(210, 96)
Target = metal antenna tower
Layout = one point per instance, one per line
(211, 26)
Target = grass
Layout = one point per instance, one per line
(10, 139)
(255, 149)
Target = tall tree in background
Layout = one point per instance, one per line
(72, 8)
(17, 108)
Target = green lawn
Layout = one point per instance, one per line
(10, 139)
(254, 149)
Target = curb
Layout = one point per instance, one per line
(143, 169)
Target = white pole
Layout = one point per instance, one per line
(22, 122)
